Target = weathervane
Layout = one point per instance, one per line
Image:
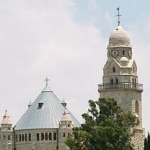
(118, 15)
(46, 80)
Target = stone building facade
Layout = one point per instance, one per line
(120, 80)
(44, 126)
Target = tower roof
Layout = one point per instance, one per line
(6, 119)
(119, 37)
(66, 116)
(45, 112)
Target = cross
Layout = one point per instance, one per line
(5, 112)
(118, 15)
(46, 80)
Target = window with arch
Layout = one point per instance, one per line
(114, 69)
(137, 107)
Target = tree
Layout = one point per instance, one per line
(147, 142)
(106, 127)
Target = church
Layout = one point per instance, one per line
(47, 121)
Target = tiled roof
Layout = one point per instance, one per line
(45, 112)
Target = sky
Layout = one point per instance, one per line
(66, 41)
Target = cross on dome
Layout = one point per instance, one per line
(46, 80)
(118, 15)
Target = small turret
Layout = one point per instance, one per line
(6, 132)
(66, 121)
(65, 129)
(6, 120)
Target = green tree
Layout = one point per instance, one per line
(106, 127)
(147, 142)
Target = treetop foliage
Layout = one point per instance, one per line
(106, 127)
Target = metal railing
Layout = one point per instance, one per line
(120, 85)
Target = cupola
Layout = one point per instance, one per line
(119, 37)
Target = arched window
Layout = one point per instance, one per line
(137, 107)
(114, 69)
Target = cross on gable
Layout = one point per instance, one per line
(46, 80)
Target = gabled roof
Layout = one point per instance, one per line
(45, 112)
(111, 64)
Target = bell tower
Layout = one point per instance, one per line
(120, 79)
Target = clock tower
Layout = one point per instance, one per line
(120, 80)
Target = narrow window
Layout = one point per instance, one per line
(111, 81)
(46, 136)
(19, 137)
(114, 69)
(42, 136)
(37, 137)
(137, 107)
(25, 137)
(63, 134)
(123, 52)
(29, 135)
(55, 137)
(50, 136)
(22, 137)
(116, 80)
(8, 137)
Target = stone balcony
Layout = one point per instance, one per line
(120, 85)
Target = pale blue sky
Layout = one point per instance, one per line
(66, 41)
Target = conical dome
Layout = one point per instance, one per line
(45, 112)
(119, 37)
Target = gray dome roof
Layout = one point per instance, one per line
(119, 37)
(45, 112)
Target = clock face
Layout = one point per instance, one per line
(114, 53)
(130, 53)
